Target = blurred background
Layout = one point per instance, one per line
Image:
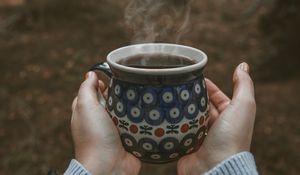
(46, 47)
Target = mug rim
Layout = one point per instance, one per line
(201, 62)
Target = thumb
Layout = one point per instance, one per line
(88, 90)
(243, 89)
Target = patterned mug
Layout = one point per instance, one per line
(161, 113)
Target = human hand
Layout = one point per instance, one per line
(97, 143)
(231, 125)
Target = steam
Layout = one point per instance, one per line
(158, 20)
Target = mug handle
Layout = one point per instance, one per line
(104, 73)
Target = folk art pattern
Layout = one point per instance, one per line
(159, 123)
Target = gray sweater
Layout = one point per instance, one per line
(241, 163)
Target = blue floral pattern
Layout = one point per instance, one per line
(159, 103)
(150, 118)
(169, 144)
(135, 113)
(154, 116)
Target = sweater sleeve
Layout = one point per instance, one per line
(75, 168)
(238, 164)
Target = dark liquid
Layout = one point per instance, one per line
(156, 61)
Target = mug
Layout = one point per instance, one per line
(161, 112)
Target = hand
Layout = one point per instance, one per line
(97, 143)
(231, 125)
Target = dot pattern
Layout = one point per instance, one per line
(168, 148)
(159, 103)
(149, 119)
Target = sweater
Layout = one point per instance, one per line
(238, 164)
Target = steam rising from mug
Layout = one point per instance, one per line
(158, 20)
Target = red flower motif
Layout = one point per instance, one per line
(134, 129)
(159, 132)
(201, 121)
(184, 128)
(115, 120)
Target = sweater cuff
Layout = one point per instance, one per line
(241, 163)
(75, 168)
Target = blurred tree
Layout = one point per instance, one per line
(281, 26)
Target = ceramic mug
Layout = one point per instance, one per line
(161, 113)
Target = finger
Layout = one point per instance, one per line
(243, 89)
(74, 103)
(217, 97)
(103, 89)
(102, 86)
(87, 94)
(242, 107)
(105, 93)
(213, 113)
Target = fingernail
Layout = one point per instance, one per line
(87, 75)
(244, 67)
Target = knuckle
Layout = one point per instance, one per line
(82, 85)
(85, 104)
(249, 101)
(81, 104)
(252, 103)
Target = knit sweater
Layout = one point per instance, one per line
(238, 164)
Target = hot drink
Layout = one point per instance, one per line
(156, 61)
(157, 99)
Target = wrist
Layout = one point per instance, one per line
(98, 165)
(127, 165)
(91, 165)
(206, 159)
(92, 160)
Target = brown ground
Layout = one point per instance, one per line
(47, 46)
